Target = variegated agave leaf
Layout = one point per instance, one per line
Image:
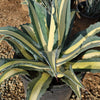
(38, 18)
(71, 80)
(91, 64)
(91, 54)
(22, 63)
(20, 38)
(38, 86)
(84, 41)
(11, 72)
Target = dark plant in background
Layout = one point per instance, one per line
(43, 48)
(89, 7)
(73, 4)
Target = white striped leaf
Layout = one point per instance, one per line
(64, 20)
(11, 72)
(83, 35)
(92, 65)
(38, 86)
(50, 58)
(22, 64)
(87, 64)
(73, 86)
(21, 49)
(51, 32)
(18, 36)
(71, 76)
(30, 31)
(38, 21)
(91, 54)
(90, 42)
(68, 58)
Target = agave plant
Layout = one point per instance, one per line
(44, 47)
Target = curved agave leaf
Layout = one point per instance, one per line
(71, 80)
(22, 63)
(19, 37)
(63, 21)
(50, 58)
(38, 86)
(93, 41)
(92, 30)
(27, 28)
(11, 72)
(73, 86)
(38, 18)
(51, 32)
(67, 41)
(21, 49)
(91, 54)
(92, 65)
(16, 31)
(71, 76)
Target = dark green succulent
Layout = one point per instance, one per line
(90, 8)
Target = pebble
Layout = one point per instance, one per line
(10, 90)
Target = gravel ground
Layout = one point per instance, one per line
(12, 89)
(11, 14)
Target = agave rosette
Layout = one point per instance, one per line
(44, 46)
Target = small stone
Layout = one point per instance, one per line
(73, 96)
(82, 96)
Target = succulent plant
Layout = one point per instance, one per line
(44, 49)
